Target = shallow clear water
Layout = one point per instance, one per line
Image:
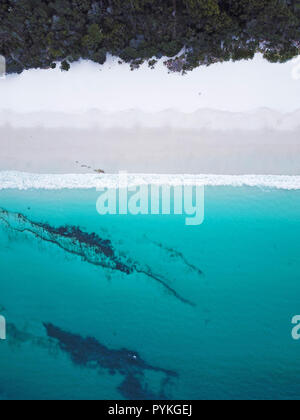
(204, 312)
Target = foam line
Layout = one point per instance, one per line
(26, 181)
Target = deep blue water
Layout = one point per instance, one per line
(172, 311)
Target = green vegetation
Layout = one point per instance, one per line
(39, 33)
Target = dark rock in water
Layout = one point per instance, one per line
(85, 350)
(90, 353)
(132, 389)
(173, 253)
(89, 246)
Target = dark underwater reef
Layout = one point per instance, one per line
(89, 353)
(173, 253)
(89, 246)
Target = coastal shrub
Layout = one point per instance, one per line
(65, 66)
(35, 33)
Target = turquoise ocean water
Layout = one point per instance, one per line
(148, 307)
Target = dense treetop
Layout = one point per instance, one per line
(40, 33)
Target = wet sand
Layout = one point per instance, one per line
(144, 149)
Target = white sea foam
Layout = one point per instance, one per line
(26, 181)
(207, 119)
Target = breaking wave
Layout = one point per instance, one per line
(26, 181)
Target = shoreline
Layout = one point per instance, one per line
(11, 180)
(150, 150)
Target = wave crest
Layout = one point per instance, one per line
(26, 181)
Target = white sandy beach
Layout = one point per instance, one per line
(237, 87)
(149, 121)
